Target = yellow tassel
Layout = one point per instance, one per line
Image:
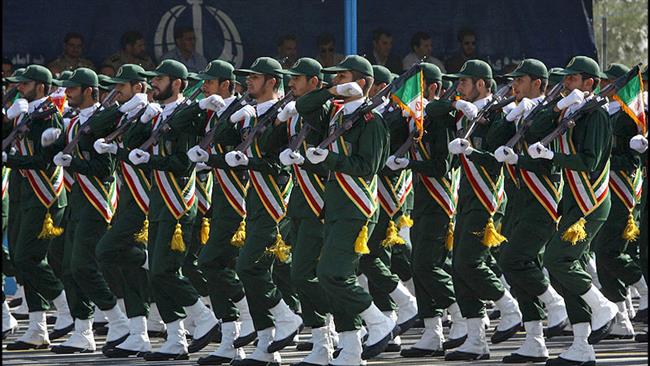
(280, 249)
(361, 243)
(239, 237)
(49, 231)
(575, 232)
(449, 240)
(491, 237)
(142, 236)
(392, 237)
(631, 231)
(177, 239)
(204, 234)
(404, 221)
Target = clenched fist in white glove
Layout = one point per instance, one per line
(197, 154)
(395, 163)
(49, 136)
(639, 143)
(153, 109)
(136, 102)
(508, 108)
(289, 157)
(460, 146)
(287, 112)
(317, 155)
(245, 113)
(349, 90)
(521, 110)
(506, 154)
(212, 103)
(202, 167)
(62, 159)
(539, 151)
(575, 97)
(469, 109)
(102, 147)
(137, 156)
(19, 106)
(236, 158)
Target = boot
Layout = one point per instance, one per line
(642, 312)
(591, 269)
(430, 344)
(603, 314)
(407, 307)
(395, 344)
(82, 339)
(580, 353)
(137, 343)
(118, 327)
(206, 323)
(247, 332)
(22, 311)
(36, 335)
(321, 353)
(260, 356)
(350, 354)
(622, 327)
(557, 318)
(287, 326)
(64, 323)
(155, 326)
(475, 346)
(175, 347)
(381, 329)
(533, 349)
(458, 330)
(226, 353)
(510, 318)
(9, 323)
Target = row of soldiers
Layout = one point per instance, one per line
(309, 208)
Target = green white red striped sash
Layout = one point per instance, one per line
(204, 193)
(627, 188)
(5, 181)
(392, 197)
(588, 193)
(139, 185)
(232, 187)
(547, 193)
(46, 188)
(310, 185)
(512, 172)
(68, 180)
(489, 193)
(443, 190)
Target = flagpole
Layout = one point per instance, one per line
(350, 24)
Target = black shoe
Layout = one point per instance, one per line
(392, 347)
(157, 334)
(641, 316)
(494, 315)
(600, 333)
(67, 350)
(619, 336)
(414, 352)
(556, 330)
(445, 323)
(517, 358)
(121, 353)
(454, 343)
(19, 316)
(22, 346)
(214, 360)
(419, 323)
(466, 356)
(503, 335)
(49, 320)
(58, 333)
(100, 330)
(641, 338)
(161, 356)
(115, 343)
(304, 346)
(16, 301)
(379, 347)
(303, 364)
(336, 352)
(200, 343)
(244, 340)
(559, 361)
(251, 362)
(99, 325)
(276, 346)
(403, 327)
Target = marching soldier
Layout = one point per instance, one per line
(584, 157)
(173, 208)
(353, 159)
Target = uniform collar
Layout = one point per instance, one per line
(169, 107)
(85, 113)
(352, 106)
(31, 106)
(227, 103)
(261, 108)
(480, 103)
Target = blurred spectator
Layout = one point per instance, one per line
(107, 70)
(467, 40)
(7, 67)
(287, 51)
(73, 45)
(421, 47)
(184, 50)
(133, 52)
(382, 44)
(327, 55)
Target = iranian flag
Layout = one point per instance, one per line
(58, 98)
(410, 98)
(630, 97)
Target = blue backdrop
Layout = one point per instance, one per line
(237, 30)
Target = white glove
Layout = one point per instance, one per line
(575, 97)
(196, 154)
(236, 158)
(213, 103)
(459, 146)
(469, 109)
(136, 102)
(287, 112)
(49, 136)
(4, 157)
(539, 151)
(394, 163)
(137, 156)
(316, 155)
(62, 159)
(639, 143)
(288, 157)
(244, 113)
(522, 109)
(202, 167)
(102, 147)
(19, 106)
(153, 109)
(506, 154)
(349, 90)
(508, 108)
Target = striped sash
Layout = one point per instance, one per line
(392, 196)
(138, 184)
(311, 186)
(443, 190)
(204, 193)
(627, 187)
(489, 193)
(5, 181)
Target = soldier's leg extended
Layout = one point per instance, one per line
(57, 244)
(190, 265)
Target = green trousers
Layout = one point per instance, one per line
(400, 261)
(191, 268)
(217, 261)
(433, 284)
(337, 273)
(121, 254)
(255, 267)
(616, 268)
(281, 276)
(57, 245)
(16, 183)
(307, 234)
(474, 280)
